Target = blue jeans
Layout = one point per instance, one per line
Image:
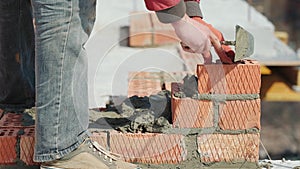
(62, 28)
(16, 55)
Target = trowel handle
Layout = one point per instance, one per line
(228, 43)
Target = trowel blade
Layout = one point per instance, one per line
(244, 46)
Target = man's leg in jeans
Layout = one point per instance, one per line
(62, 140)
(61, 79)
(16, 55)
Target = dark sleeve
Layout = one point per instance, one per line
(169, 11)
(193, 8)
(172, 14)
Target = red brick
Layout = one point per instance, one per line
(144, 83)
(228, 148)
(147, 83)
(190, 113)
(163, 34)
(229, 78)
(239, 115)
(143, 87)
(27, 146)
(144, 75)
(11, 120)
(140, 30)
(100, 137)
(8, 142)
(149, 148)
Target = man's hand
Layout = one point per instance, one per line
(194, 36)
(228, 50)
(198, 38)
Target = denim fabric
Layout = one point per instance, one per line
(61, 76)
(16, 55)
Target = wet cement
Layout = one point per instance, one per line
(137, 114)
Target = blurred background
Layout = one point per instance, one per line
(285, 15)
(280, 114)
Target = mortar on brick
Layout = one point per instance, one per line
(141, 114)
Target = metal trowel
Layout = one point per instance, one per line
(244, 43)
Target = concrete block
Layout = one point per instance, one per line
(8, 142)
(238, 78)
(228, 148)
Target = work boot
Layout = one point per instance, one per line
(89, 155)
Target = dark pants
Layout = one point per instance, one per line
(17, 89)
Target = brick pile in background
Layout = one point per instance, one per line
(230, 127)
(147, 83)
(14, 136)
(145, 30)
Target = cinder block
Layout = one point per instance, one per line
(140, 30)
(8, 142)
(228, 148)
(149, 148)
(239, 115)
(11, 120)
(163, 34)
(238, 78)
(27, 146)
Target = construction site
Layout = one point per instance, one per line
(161, 107)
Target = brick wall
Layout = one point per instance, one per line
(227, 113)
(225, 118)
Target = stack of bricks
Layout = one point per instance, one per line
(16, 140)
(226, 110)
(145, 31)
